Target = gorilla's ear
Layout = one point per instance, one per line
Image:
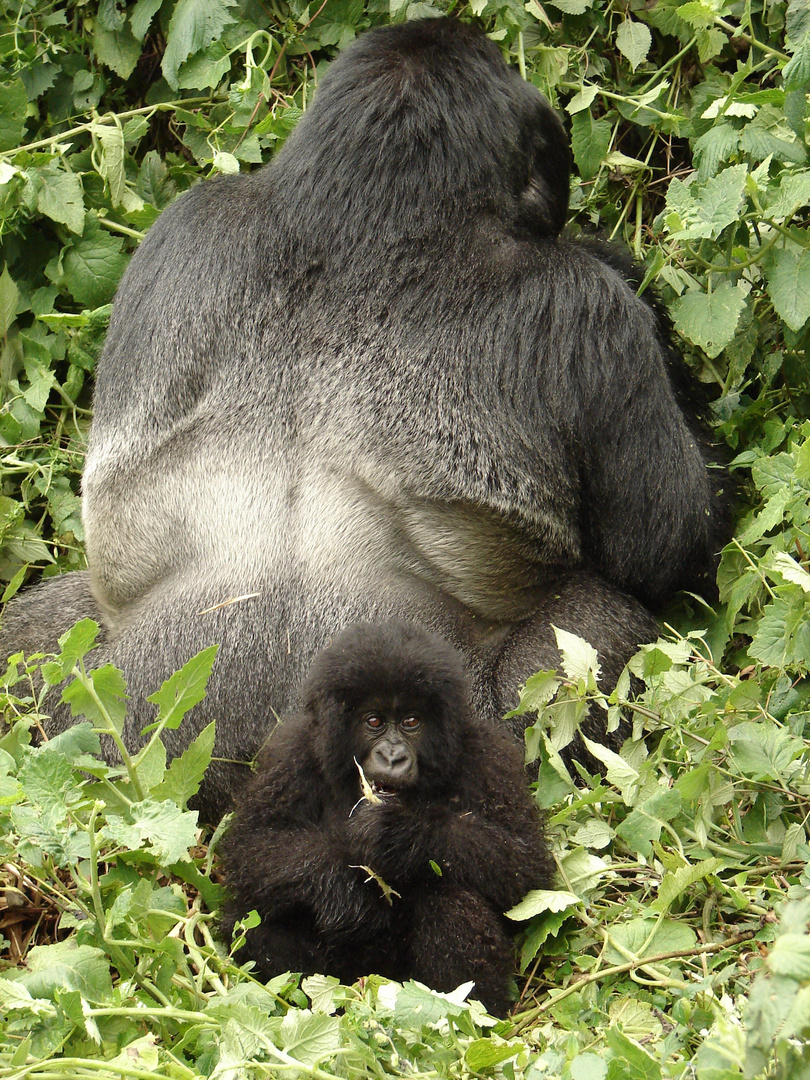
(543, 202)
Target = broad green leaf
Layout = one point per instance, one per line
(647, 937)
(108, 688)
(206, 69)
(791, 570)
(618, 771)
(709, 319)
(582, 99)
(764, 752)
(110, 138)
(590, 140)
(633, 40)
(194, 25)
(165, 830)
(118, 49)
(641, 1066)
(13, 107)
(788, 281)
(68, 966)
(94, 264)
(310, 1037)
(61, 197)
(790, 957)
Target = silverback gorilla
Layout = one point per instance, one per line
(454, 830)
(373, 380)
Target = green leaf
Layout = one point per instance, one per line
(68, 966)
(648, 937)
(484, 1053)
(94, 264)
(579, 659)
(790, 957)
(540, 900)
(117, 49)
(675, 884)
(709, 319)
(142, 15)
(13, 107)
(184, 775)
(310, 1037)
(633, 40)
(194, 25)
(788, 281)
(618, 771)
(166, 830)
(206, 69)
(185, 689)
(763, 752)
(107, 686)
(796, 73)
(590, 140)
(9, 297)
(645, 822)
(61, 197)
(640, 1065)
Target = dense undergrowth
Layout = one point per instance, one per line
(677, 943)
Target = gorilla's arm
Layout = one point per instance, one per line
(287, 850)
(653, 514)
(483, 834)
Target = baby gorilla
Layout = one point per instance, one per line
(446, 821)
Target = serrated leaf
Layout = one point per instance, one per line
(645, 822)
(633, 40)
(185, 773)
(13, 107)
(796, 73)
(61, 197)
(582, 99)
(590, 140)
(185, 689)
(579, 659)
(709, 320)
(166, 830)
(142, 15)
(194, 25)
(763, 752)
(310, 1037)
(647, 937)
(118, 50)
(675, 883)
(788, 281)
(109, 688)
(540, 900)
(94, 264)
(68, 966)
(791, 570)
(790, 957)
(619, 773)
(484, 1053)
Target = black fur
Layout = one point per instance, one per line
(300, 839)
(372, 380)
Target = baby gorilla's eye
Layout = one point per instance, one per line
(410, 723)
(374, 722)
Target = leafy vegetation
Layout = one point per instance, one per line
(677, 943)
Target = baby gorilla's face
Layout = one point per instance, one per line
(387, 733)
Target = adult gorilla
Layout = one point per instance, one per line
(372, 380)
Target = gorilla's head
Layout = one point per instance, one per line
(425, 123)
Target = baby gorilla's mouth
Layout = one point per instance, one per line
(382, 790)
